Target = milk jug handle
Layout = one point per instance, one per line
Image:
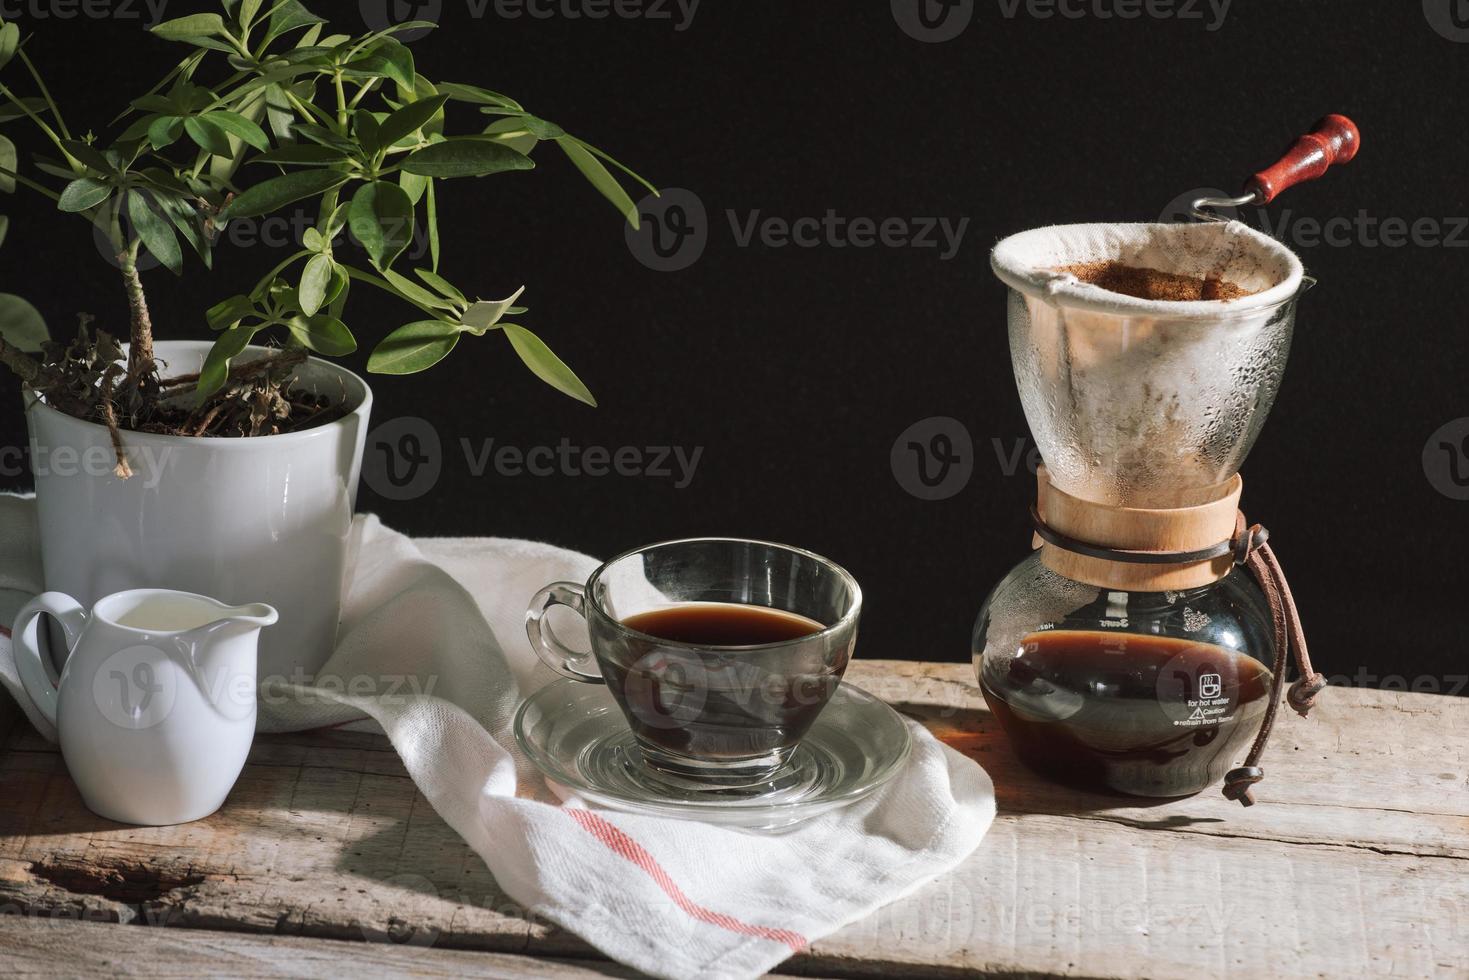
(37, 672)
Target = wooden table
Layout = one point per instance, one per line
(326, 861)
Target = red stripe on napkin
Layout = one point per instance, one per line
(630, 849)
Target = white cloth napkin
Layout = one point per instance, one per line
(444, 643)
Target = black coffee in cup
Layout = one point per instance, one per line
(723, 624)
(721, 652)
(722, 681)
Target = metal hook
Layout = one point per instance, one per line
(1199, 208)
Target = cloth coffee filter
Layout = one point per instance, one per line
(1146, 402)
(1232, 251)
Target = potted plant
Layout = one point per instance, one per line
(227, 467)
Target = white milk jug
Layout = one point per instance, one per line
(156, 704)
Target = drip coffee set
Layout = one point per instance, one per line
(1141, 648)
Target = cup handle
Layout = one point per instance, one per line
(553, 653)
(37, 673)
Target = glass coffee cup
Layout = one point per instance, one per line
(721, 652)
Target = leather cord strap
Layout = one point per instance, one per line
(1250, 548)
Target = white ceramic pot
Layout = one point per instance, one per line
(266, 519)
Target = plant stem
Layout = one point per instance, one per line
(140, 351)
(341, 104)
(45, 92)
(50, 133)
(27, 182)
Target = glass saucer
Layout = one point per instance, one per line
(576, 734)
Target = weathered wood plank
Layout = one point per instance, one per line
(1353, 862)
(54, 948)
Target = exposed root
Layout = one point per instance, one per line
(109, 415)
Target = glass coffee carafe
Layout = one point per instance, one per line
(1137, 405)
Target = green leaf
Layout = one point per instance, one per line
(432, 217)
(157, 235)
(239, 127)
(465, 157)
(545, 365)
(388, 58)
(478, 96)
(164, 131)
(413, 347)
(603, 181)
(413, 185)
(512, 133)
(9, 42)
(83, 193)
(315, 279)
(4, 228)
(305, 154)
(409, 119)
(10, 111)
(9, 165)
(248, 10)
(21, 324)
(229, 312)
(486, 313)
(285, 189)
(186, 219)
(616, 163)
(155, 103)
(290, 16)
(365, 126)
(216, 369)
(208, 135)
(444, 286)
(88, 155)
(335, 221)
(190, 27)
(325, 137)
(544, 130)
(381, 218)
(337, 292)
(416, 293)
(323, 334)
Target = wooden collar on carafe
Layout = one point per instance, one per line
(1074, 535)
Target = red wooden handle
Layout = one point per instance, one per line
(1334, 139)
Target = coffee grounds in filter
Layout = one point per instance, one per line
(1153, 284)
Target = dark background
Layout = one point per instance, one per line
(796, 369)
